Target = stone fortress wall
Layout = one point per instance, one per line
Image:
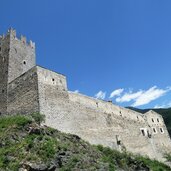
(26, 88)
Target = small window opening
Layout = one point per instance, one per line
(53, 79)
(152, 120)
(161, 130)
(143, 132)
(3, 91)
(24, 62)
(118, 142)
(97, 104)
(154, 130)
(149, 135)
(157, 119)
(137, 118)
(0, 48)
(0, 113)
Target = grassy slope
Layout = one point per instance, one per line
(166, 113)
(25, 144)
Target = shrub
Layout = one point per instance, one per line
(38, 118)
(168, 157)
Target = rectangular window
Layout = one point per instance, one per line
(154, 130)
(161, 130)
(143, 132)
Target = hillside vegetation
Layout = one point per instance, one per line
(166, 113)
(27, 146)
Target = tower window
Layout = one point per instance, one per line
(53, 79)
(24, 62)
(152, 120)
(157, 119)
(3, 91)
(0, 49)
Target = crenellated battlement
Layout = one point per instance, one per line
(11, 33)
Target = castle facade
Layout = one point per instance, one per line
(26, 88)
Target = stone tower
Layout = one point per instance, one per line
(16, 57)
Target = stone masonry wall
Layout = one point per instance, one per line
(52, 95)
(4, 57)
(23, 94)
(160, 135)
(96, 121)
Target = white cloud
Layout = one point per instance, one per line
(76, 91)
(127, 97)
(116, 92)
(168, 88)
(159, 106)
(100, 95)
(167, 105)
(151, 94)
(143, 97)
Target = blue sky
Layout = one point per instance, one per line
(117, 46)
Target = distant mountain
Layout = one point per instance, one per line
(166, 113)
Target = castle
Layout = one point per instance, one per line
(26, 88)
